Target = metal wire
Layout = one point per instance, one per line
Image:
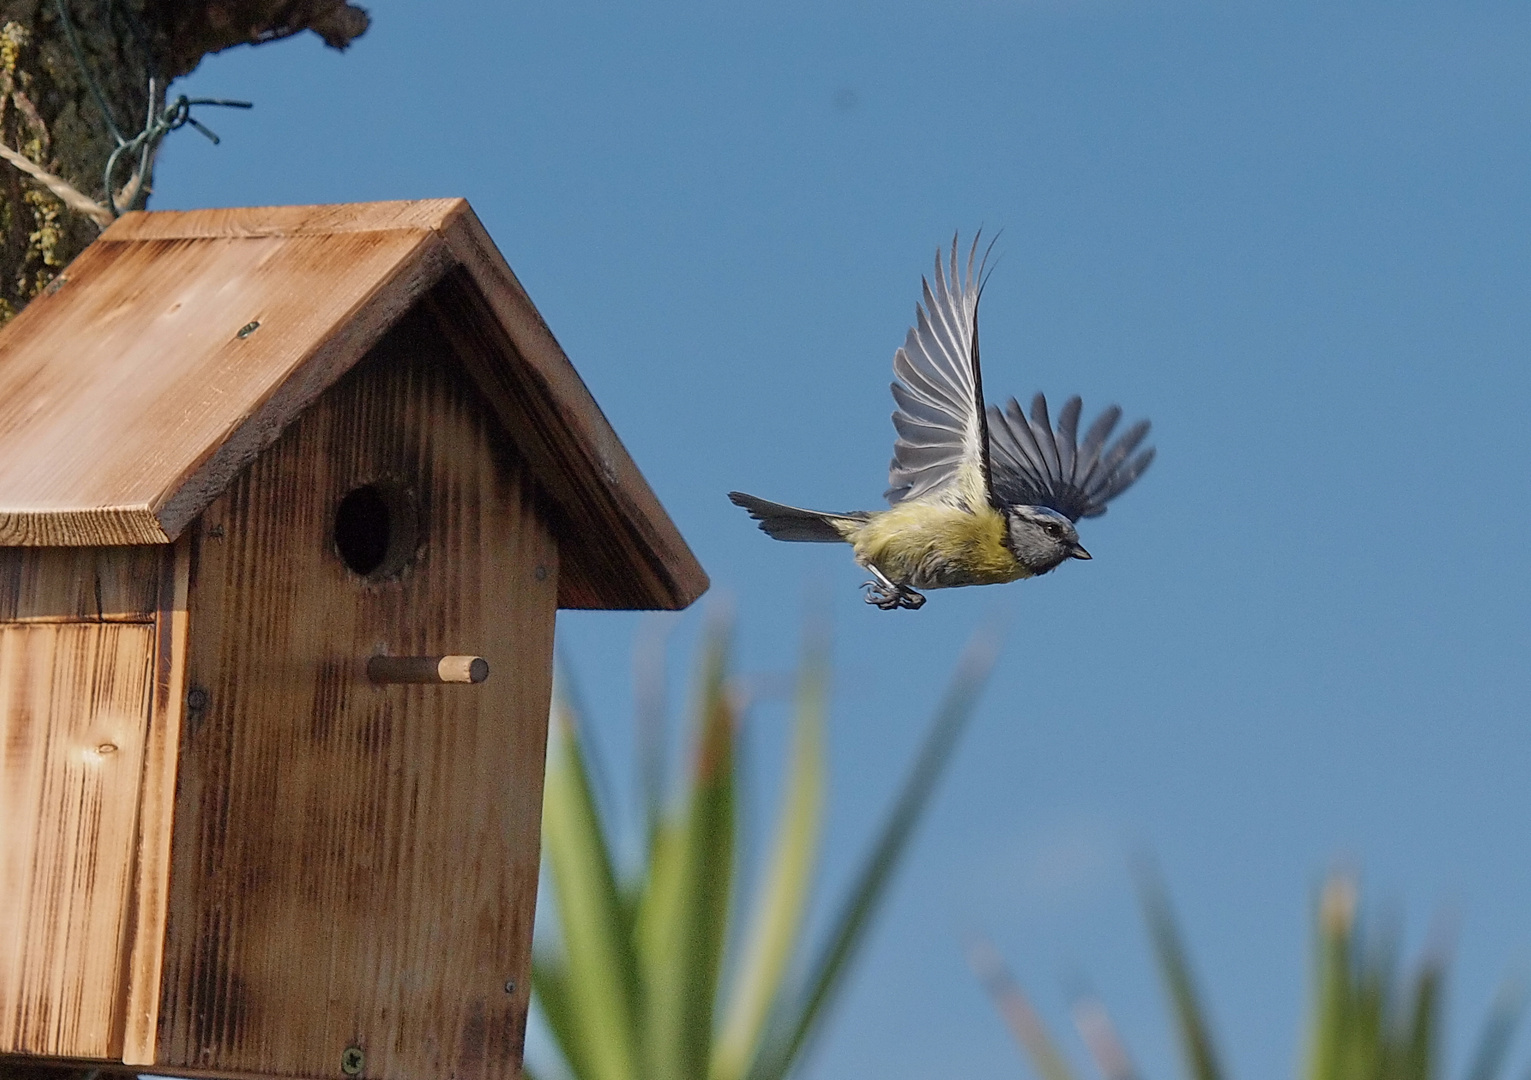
(143, 146)
(90, 78)
(158, 122)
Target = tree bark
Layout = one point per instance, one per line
(49, 113)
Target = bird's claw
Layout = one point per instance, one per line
(891, 597)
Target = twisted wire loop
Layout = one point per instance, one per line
(141, 148)
(144, 145)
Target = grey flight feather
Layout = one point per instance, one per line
(781, 522)
(940, 419)
(944, 427)
(1034, 465)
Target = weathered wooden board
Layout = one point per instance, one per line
(624, 549)
(355, 865)
(156, 810)
(74, 707)
(116, 584)
(244, 221)
(616, 555)
(181, 344)
(132, 382)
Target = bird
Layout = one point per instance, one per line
(977, 494)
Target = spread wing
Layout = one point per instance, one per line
(942, 449)
(1037, 466)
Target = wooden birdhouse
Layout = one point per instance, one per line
(279, 488)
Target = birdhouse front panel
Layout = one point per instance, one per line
(355, 864)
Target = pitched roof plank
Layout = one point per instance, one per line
(181, 344)
(594, 480)
(247, 221)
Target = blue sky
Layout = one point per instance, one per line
(1295, 236)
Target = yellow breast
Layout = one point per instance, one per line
(937, 545)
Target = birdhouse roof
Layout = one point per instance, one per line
(180, 345)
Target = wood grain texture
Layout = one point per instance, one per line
(352, 864)
(128, 400)
(74, 703)
(113, 584)
(156, 810)
(118, 389)
(622, 550)
(419, 214)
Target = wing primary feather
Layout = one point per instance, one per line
(1014, 455)
(1026, 439)
(924, 455)
(1117, 482)
(919, 409)
(918, 433)
(1125, 445)
(1127, 475)
(1094, 439)
(1042, 428)
(931, 335)
(984, 269)
(942, 423)
(919, 382)
(1068, 438)
(1081, 479)
(978, 403)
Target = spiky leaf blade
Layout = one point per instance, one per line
(782, 895)
(796, 1020)
(601, 976)
(1175, 968)
(685, 918)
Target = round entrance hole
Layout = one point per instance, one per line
(375, 530)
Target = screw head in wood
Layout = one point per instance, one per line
(196, 698)
(247, 329)
(352, 1060)
(510, 986)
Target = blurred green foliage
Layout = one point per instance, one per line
(1369, 1019)
(661, 972)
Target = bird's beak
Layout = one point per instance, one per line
(1077, 552)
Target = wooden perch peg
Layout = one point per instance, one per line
(427, 669)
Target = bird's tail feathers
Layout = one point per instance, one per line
(794, 523)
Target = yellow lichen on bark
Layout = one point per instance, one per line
(28, 213)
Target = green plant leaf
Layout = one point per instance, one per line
(650, 687)
(794, 1022)
(599, 976)
(1416, 1044)
(1330, 1025)
(1174, 966)
(1019, 1015)
(550, 984)
(684, 917)
(782, 896)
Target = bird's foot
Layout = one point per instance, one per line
(888, 595)
(891, 597)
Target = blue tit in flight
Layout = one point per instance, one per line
(978, 495)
